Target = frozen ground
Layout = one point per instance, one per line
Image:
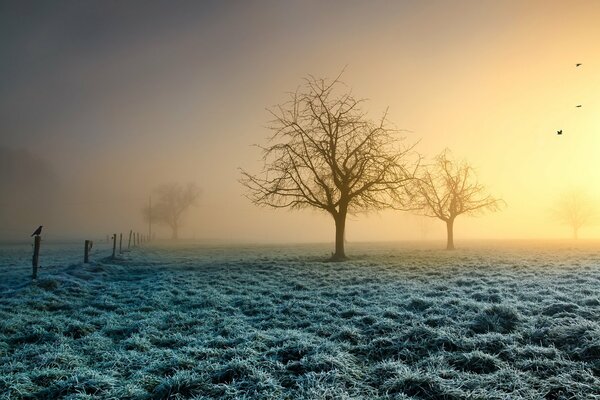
(276, 322)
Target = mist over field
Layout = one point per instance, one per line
(117, 99)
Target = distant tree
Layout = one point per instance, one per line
(173, 201)
(576, 209)
(31, 193)
(325, 153)
(447, 189)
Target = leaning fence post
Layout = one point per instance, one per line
(120, 243)
(86, 251)
(114, 244)
(36, 255)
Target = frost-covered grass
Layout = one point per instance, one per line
(277, 322)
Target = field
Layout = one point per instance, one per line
(396, 321)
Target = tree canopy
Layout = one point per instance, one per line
(576, 209)
(326, 153)
(173, 200)
(448, 188)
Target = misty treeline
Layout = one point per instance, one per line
(29, 192)
(172, 201)
(326, 153)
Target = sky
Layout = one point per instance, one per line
(102, 101)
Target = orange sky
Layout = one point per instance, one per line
(181, 95)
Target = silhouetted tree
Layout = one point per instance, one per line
(447, 189)
(325, 153)
(576, 209)
(173, 200)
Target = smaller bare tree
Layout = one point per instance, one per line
(449, 188)
(173, 200)
(576, 209)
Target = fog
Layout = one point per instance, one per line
(102, 102)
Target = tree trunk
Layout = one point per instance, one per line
(340, 228)
(450, 231)
(575, 233)
(174, 232)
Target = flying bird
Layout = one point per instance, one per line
(559, 132)
(578, 64)
(37, 232)
(578, 106)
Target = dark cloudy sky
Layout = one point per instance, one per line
(116, 97)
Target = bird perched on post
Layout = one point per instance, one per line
(37, 232)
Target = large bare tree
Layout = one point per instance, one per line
(173, 201)
(325, 153)
(576, 209)
(448, 188)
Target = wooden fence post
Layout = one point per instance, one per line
(114, 245)
(129, 243)
(120, 243)
(86, 252)
(36, 255)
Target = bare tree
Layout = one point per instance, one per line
(447, 189)
(576, 209)
(325, 153)
(173, 200)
